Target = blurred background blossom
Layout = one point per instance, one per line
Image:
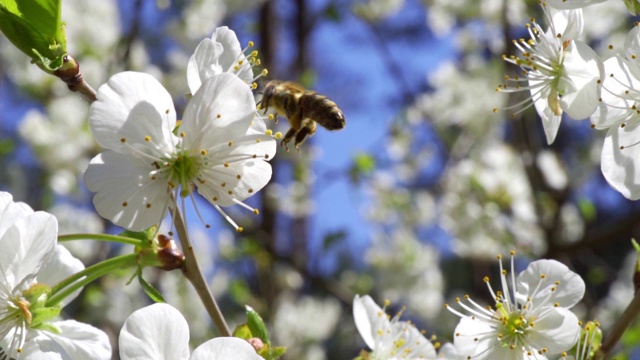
(409, 203)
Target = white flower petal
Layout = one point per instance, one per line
(617, 106)
(60, 266)
(155, 332)
(219, 112)
(77, 341)
(147, 132)
(233, 54)
(572, 4)
(579, 85)
(569, 23)
(203, 63)
(125, 192)
(475, 338)
(619, 166)
(118, 97)
(11, 211)
(365, 313)
(550, 120)
(225, 348)
(569, 291)
(557, 330)
(26, 246)
(254, 175)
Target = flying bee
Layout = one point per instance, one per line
(302, 108)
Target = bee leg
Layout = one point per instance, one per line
(307, 130)
(287, 138)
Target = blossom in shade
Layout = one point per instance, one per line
(30, 262)
(618, 113)
(389, 339)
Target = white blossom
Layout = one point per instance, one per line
(160, 332)
(561, 72)
(389, 339)
(30, 263)
(530, 319)
(145, 166)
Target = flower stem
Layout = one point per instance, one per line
(193, 273)
(76, 281)
(615, 333)
(100, 237)
(70, 73)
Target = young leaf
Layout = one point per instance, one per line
(152, 292)
(35, 28)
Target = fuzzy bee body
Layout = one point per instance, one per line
(302, 108)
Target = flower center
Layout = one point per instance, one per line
(183, 170)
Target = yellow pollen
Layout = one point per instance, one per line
(203, 152)
(264, 72)
(258, 140)
(226, 164)
(239, 229)
(269, 132)
(250, 44)
(256, 211)
(147, 138)
(230, 143)
(250, 191)
(182, 134)
(238, 177)
(218, 116)
(278, 135)
(123, 140)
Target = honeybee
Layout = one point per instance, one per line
(302, 108)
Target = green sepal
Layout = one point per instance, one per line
(35, 28)
(151, 291)
(242, 331)
(145, 235)
(41, 316)
(49, 327)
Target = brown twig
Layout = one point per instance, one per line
(70, 73)
(192, 271)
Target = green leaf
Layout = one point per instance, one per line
(333, 238)
(35, 28)
(363, 164)
(277, 351)
(633, 6)
(257, 326)
(587, 209)
(152, 292)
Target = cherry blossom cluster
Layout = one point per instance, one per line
(563, 74)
